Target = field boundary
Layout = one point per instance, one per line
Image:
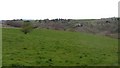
(0, 46)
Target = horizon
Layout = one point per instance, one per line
(60, 18)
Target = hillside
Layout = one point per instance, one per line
(43, 47)
(0, 47)
(104, 26)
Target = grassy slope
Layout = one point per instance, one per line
(58, 48)
(0, 47)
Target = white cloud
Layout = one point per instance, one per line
(41, 9)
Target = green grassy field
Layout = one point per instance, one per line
(44, 47)
(0, 46)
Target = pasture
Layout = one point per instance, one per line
(43, 47)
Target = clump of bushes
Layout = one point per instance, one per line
(26, 27)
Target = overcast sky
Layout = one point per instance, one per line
(68, 9)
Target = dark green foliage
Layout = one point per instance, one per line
(26, 27)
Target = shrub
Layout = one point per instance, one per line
(26, 27)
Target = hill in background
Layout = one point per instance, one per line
(104, 26)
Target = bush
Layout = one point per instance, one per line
(26, 27)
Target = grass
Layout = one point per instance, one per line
(0, 47)
(44, 47)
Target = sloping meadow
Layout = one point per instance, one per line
(43, 47)
(0, 45)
